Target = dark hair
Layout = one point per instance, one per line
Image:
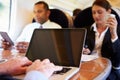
(103, 3)
(76, 12)
(44, 3)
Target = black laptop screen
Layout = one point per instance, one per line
(62, 46)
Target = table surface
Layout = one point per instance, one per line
(96, 69)
(89, 70)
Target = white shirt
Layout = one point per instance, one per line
(29, 29)
(98, 41)
(35, 75)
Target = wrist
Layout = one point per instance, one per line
(113, 40)
(114, 36)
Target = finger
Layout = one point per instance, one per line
(46, 61)
(83, 48)
(21, 50)
(2, 40)
(28, 63)
(21, 70)
(58, 68)
(5, 43)
(19, 44)
(37, 61)
(24, 61)
(113, 20)
(54, 67)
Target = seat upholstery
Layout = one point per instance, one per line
(59, 17)
(84, 18)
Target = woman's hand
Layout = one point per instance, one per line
(86, 51)
(112, 24)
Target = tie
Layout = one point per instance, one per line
(41, 27)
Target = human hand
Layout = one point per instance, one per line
(86, 51)
(112, 24)
(22, 46)
(14, 66)
(45, 67)
(6, 45)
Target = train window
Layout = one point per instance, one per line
(5, 8)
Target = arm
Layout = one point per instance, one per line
(116, 55)
(115, 35)
(35, 75)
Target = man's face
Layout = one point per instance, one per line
(41, 15)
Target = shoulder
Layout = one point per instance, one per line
(55, 24)
(32, 25)
(50, 24)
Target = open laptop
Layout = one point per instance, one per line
(62, 46)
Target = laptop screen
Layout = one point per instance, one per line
(62, 46)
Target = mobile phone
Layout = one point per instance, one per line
(3, 60)
(6, 37)
(110, 15)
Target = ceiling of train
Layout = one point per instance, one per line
(85, 3)
(82, 4)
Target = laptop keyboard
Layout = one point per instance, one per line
(64, 70)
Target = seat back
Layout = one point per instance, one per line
(84, 18)
(59, 17)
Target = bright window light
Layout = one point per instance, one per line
(4, 15)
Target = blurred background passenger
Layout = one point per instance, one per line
(41, 13)
(76, 12)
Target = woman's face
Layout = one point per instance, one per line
(99, 14)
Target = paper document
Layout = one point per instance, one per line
(88, 57)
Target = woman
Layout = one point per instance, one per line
(103, 38)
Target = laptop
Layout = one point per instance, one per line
(63, 47)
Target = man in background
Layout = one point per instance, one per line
(76, 12)
(41, 15)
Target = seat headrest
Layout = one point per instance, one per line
(84, 18)
(59, 17)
